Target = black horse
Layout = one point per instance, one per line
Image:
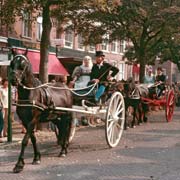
(36, 105)
(132, 98)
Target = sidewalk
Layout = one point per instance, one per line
(17, 136)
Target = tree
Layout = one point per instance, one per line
(59, 9)
(149, 25)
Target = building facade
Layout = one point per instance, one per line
(66, 44)
(69, 47)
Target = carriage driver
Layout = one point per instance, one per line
(101, 73)
(160, 78)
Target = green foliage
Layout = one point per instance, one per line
(152, 26)
(149, 25)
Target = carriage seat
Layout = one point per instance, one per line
(87, 94)
(155, 90)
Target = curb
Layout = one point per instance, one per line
(5, 144)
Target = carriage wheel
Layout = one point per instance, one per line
(115, 119)
(170, 102)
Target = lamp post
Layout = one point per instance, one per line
(9, 137)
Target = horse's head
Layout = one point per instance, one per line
(126, 87)
(19, 65)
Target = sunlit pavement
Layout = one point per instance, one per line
(148, 152)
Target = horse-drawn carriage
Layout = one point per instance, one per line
(54, 102)
(147, 96)
(166, 100)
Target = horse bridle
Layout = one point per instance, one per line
(20, 75)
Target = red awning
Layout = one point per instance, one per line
(54, 65)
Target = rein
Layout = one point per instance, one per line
(73, 90)
(62, 88)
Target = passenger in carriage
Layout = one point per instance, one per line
(160, 78)
(102, 73)
(80, 79)
(149, 77)
(81, 74)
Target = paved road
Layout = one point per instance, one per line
(148, 152)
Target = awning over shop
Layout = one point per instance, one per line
(54, 65)
(69, 63)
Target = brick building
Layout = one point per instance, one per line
(68, 47)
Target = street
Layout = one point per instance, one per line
(148, 152)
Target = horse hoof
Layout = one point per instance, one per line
(62, 155)
(36, 162)
(17, 169)
(145, 119)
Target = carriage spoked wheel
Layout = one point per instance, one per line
(169, 106)
(115, 118)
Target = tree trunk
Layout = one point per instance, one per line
(142, 64)
(44, 46)
(142, 70)
(178, 65)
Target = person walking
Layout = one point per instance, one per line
(1, 120)
(4, 100)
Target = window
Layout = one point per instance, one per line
(114, 46)
(121, 71)
(122, 46)
(69, 39)
(92, 48)
(26, 29)
(39, 27)
(105, 43)
(80, 42)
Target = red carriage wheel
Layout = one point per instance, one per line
(170, 102)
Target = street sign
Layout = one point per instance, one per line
(58, 42)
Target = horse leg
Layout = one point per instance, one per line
(64, 127)
(134, 116)
(37, 155)
(20, 164)
(125, 122)
(139, 114)
(145, 109)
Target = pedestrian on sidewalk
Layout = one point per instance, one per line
(1, 121)
(4, 100)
